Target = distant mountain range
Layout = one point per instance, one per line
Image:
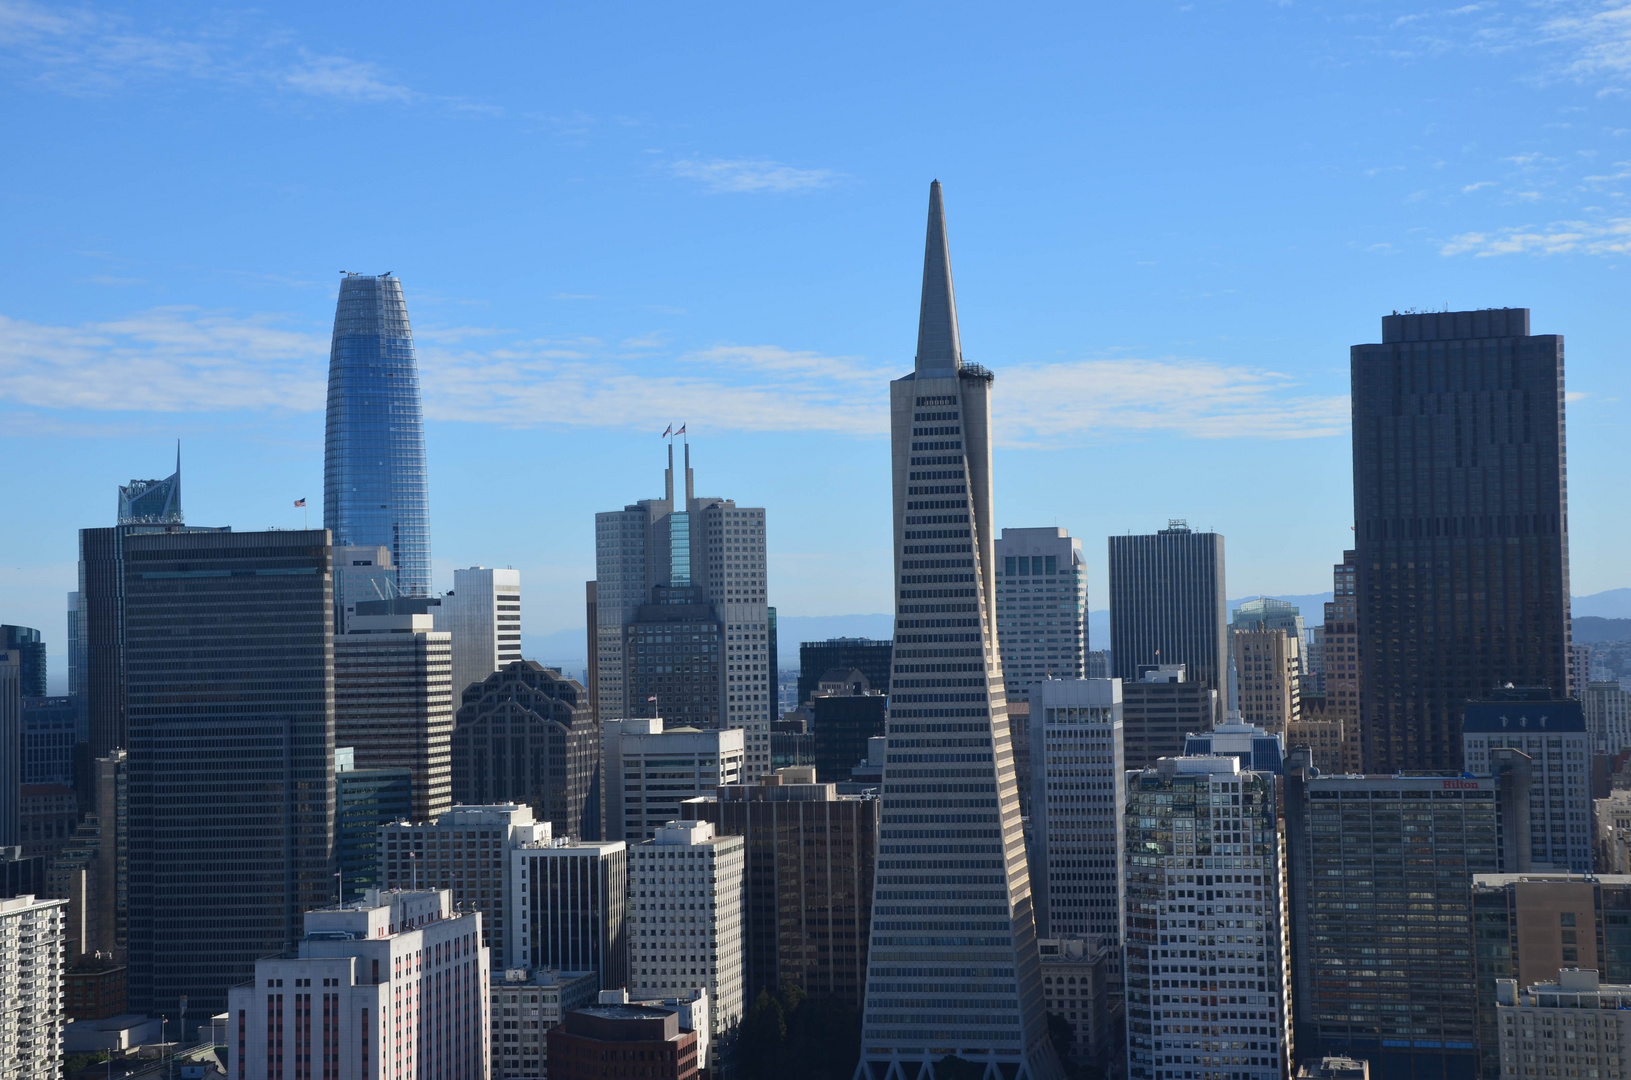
(1604, 616)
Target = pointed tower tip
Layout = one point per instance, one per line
(939, 346)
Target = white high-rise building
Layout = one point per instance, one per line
(393, 985)
(953, 967)
(466, 851)
(687, 890)
(1041, 608)
(648, 769)
(483, 613)
(1206, 949)
(33, 960)
(1077, 791)
(681, 614)
(1552, 732)
(1608, 716)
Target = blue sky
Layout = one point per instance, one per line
(1168, 224)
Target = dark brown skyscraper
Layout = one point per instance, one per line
(1461, 525)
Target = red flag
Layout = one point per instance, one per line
(300, 502)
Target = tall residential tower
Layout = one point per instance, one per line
(375, 489)
(953, 968)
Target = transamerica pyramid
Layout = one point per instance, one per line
(953, 967)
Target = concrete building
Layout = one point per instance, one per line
(526, 1004)
(483, 613)
(811, 861)
(1268, 663)
(1322, 735)
(706, 555)
(364, 800)
(1077, 984)
(95, 988)
(1078, 787)
(362, 574)
(1574, 1019)
(1202, 849)
(591, 1036)
(393, 985)
(32, 967)
(1159, 710)
(1041, 608)
(1167, 605)
(467, 852)
(568, 906)
(687, 890)
(393, 702)
(1342, 667)
(1579, 669)
(1459, 476)
(649, 770)
(227, 640)
(947, 691)
(871, 658)
(1528, 927)
(1256, 750)
(1366, 853)
(1552, 733)
(1612, 817)
(525, 735)
(845, 711)
(1607, 707)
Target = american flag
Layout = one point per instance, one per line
(300, 502)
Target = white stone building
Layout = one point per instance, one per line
(647, 770)
(392, 986)
(1574, 1027)
(526, 1003)
(687, 891)
(1041, 608)
(483, 613)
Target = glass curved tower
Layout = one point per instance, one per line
(375, 489)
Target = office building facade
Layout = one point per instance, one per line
(365, 800)
(946, 691)
(524, 735)
(1207, 990)
(1367, 855)
(1461, 525)
(467, 852)
(376, 489)
(51, 728)
(363, 574)
(228, 644)
(11, 748)
(483, 613)
(708, 555)
(866, 655)
(1078, 787)
(1607, 707)
(393, 702)
(1159, 711)
(1552, 733)
(1573, 1018)
(526, 1004)
(687, 888)
(1268, 666)
(393, 985)
(811, 861)
(26, 642)
(567, 906)
(1041, 608)
(844, 712)
(1528, 927)
(595, 1034)
(649, 771)
(1167, 605)
(1342, 675)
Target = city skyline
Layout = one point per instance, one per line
(1166, 291)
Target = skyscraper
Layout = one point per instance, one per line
(1041, 607)
(567, 906)
(375, 488)
(1461, 525)
(954, 968)
(483, 613)
(1551, 732)
(1167, 605)
(30, 649)
(152, 502)
(681, 613)
(870, 658)
(229, 645)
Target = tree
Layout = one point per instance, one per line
(761, 1039)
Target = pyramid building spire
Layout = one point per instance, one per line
(938, 343)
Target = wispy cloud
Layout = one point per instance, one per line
(179, 359)
(752, 176)
(1609, 237)
(84, 51)
(1600, 35)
